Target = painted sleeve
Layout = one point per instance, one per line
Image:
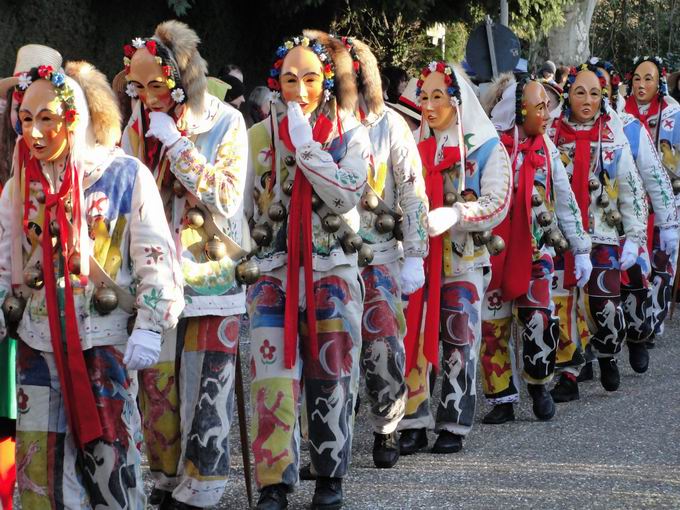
(5, 250)
(657, 183)
(632, 200)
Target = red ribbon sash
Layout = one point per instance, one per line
(634, 110)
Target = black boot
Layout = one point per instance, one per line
(273, 497)
(609, 373)
(566, 389)
(651, 342)
(412, 440)
(158, 496)
(306, 473)
(501, 413)
(544, 407)
(328, 494)
(638, 357)
(586, 373)
(385, 450)
(448, 442)
(170, 503)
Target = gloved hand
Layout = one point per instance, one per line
(629, 255)
(298, 126)
(668, 238)
(412, 275)
(582, 269)
(441, 219)
(143, 349)
(164, 128)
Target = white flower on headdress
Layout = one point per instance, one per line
(296, 40)
(177, 95)
(322, 57)
(327, 95)
(593, 60)
(138, 42)
(636, 60)
(447, 70)
(646, 57)
(432, 66)
(24, 81)
(453, 100)
(131, 90)
(276, 95)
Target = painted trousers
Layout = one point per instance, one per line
(54, 473)
(661, 284)
(325, 381)
(537, 328)
(382, 350)
(187, 404)
(636, 298)
(460, 334)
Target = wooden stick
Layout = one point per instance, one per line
(243, 428)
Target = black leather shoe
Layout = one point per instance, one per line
(609, 373)
(586, 373)
(170, 503)
(501, 413)
(544, 407)
(157, 497)
(566, 389)
(638, 357)
(328, 494)
(273, 497)
(306, 473)
(448, 442)
(412, 440)
(651, 342)
(385, 450)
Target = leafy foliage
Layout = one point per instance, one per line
(180, 7)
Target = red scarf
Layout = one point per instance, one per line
(79, 401)
(579, 180)
(434, 185)
(633, 108)
(515, 283)
(300, 225)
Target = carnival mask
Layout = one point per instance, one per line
(43, 122)
(436, 102)
(645, 82)
(149, 82)
(302, 79)
(535, 106)
(585, 97)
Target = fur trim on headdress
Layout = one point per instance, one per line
(183, 42)
(345, 83)
(370, 84)
(101, 102)
(494, 92)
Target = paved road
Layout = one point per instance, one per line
(619, 450)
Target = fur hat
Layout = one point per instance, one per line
(345, 82)
(494, 93)
(102, 104)
(183, 42)
(370, 84)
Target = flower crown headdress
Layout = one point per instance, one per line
(572, 78)
(659, 63)
(58, 80)
(328, 66)
(614, 78)
(164, 58)
(453, 89)
(349, 44)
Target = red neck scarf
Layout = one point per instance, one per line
(633, 108)
(300, 225)
(79, 401)
(434, 185)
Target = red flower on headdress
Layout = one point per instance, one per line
(616, 80)
(151, 46)
(356, 65)
(629, 76)
(327, 68)
(167, 71)
(44, 71)
(278, 63)
(440, 67)
(419, 84)
(128, 50)
(273, 84)
(18, 96)
(603, 82)
(70, 115)
(663, 72)
(447, 79)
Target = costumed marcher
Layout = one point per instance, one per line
(196, 148)
(308, 169)
(89, 281)
(408, 107)
(522, 275)
(610, 196)
(468, 181)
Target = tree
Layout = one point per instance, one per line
(570, 42)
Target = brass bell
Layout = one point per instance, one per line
(481, 238)
(398, 232)
(262, 234)
(289, 160)
(33, 277)
(384, 223)
(105, 300)
(369, 201)
(195, 218)
(676, 186)
(247, 272)
(74, 263)
(496, 245)
(351, 242)
(288, 187)
(554, 238)
(613, 218)
(562, 246)
(264, 180)
(593, 184)
(365, 255)
(331, 223)
(536, 200)
(68, 206)
(13, 309)
(450, 198)
(603, 200)
(178, 188)
(215, 249)
(316, 201)
(40, 196)
(469, 195)
(544, 218)
(277, 211)
(54, 228)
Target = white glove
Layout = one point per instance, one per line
(143, 349)
(164, 128)
(668, 238)
(412, 275)
(582, 269)
(441, 219)
(298, 126)
(629, 255)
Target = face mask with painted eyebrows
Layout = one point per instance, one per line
(645, 82)
(44, 127)
(585, 97)
(302, 79)
(535, 102)
(146, 75)
(435, 102)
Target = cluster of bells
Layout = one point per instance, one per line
(612, 217)
(676, 185)
(493, 243)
